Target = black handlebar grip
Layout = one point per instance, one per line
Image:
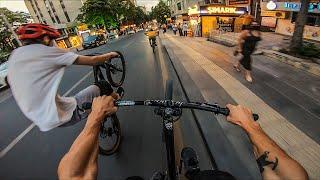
(227, 111)
(255, 116)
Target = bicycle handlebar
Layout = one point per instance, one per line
(215, 108)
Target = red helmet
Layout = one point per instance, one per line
(36, 31)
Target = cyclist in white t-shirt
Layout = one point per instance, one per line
(34, 74)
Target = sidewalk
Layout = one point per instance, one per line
(287, 106)
(270, 45)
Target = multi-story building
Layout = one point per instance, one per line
(57, 13)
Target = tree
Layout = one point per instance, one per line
(103, 12)
(110, 13)
(160, 12)
(297, 38)
(6, 43)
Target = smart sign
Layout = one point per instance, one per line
(216, 9)
(221, 10)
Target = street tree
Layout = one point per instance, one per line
(110, 13)
(6, 43)
(160, 12)
(102, 12)
(297, 38)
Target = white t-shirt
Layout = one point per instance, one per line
(34, 75)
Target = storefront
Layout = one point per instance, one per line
(220, 18)
(281, 16)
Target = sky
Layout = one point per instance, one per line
(147, 3)
(14, 5)
(18, 5)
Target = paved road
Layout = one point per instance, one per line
(37, 154)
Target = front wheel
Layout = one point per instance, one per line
(116, 70)
(110, 135)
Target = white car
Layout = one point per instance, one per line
(131, 32)
(3, 74)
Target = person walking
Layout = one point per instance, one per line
(174, 29)
(248, 41)
(164, 28)
(180, 29)
(185, 29)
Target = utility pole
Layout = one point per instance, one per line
(4, 17)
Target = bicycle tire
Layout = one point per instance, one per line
(169, 90)
(153, 48)
(117, 128)
(109, 71)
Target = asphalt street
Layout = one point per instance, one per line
(36, 155)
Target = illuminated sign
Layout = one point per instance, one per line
(271, 5)
(292, 6)
(289, 6)
(221, 10)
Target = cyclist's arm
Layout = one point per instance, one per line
(287, 167)
(93, 60)
(81, 160)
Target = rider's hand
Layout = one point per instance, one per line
(103, 106)
(113, 54)
(240, 115)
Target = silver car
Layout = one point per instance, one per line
(3, 74)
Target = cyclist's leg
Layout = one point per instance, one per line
(85, 96)
(150, 41)
(154, 41)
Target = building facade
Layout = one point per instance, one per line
(59, 14)
(205, 17)
(280, 16)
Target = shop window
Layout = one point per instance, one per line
(179, 6)
(312, 18)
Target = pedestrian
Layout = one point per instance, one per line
(185, 29)
(164, 28)
(180, 29)
(247, 19)
(248, 40)
(174, 29)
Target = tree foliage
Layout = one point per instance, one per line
(110, 13)
(160, 12)
(6, 43)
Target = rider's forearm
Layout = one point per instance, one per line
(81, 160)
(92, 60)
(287, 167)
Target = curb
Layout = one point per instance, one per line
(312, 68)
(222, 42)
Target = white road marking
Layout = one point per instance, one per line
(26, 131)
(6, 94)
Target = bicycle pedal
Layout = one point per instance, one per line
(190, 162)
(120, 91)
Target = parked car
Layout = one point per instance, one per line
(93, 41)
(3, 75)
(131, 32)
(112, 35)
